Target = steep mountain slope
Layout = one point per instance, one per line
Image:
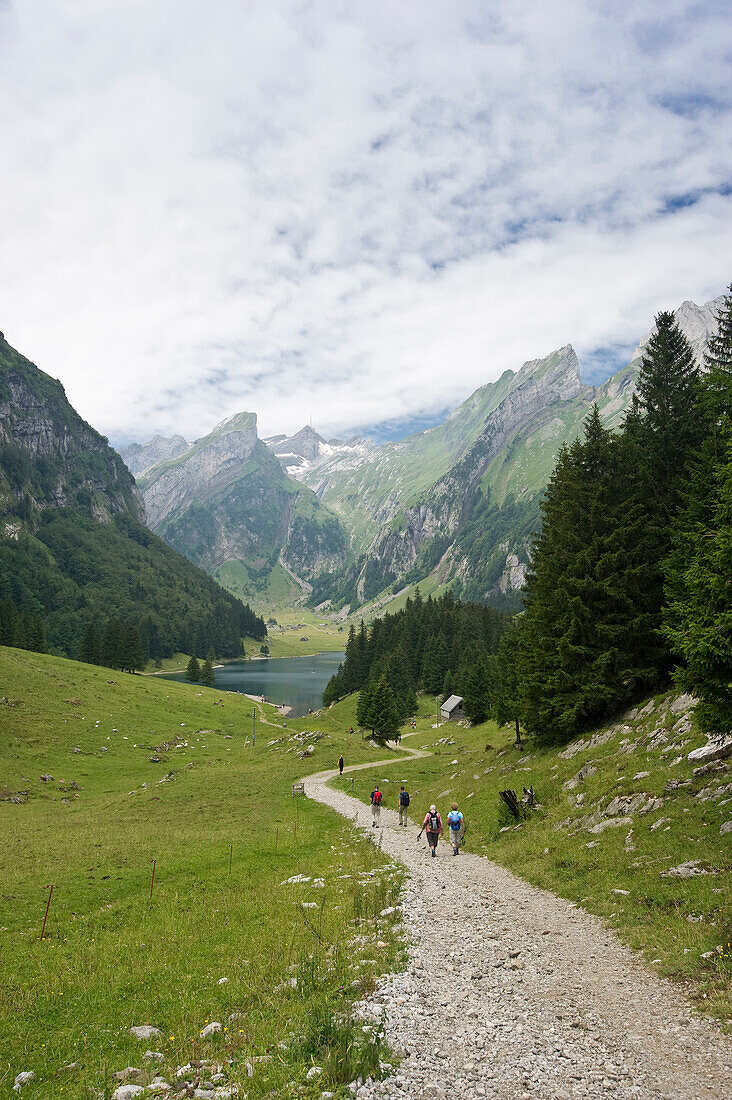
(227, 504)
(471, 524)
(73, 545)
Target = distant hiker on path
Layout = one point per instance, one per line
(340, 764)
(433, 825)
(457, 828)
(375, 806)
(403, 803)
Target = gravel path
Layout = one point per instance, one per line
(514, 992)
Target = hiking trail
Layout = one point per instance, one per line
(512, 991)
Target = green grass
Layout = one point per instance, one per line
(295, 624)
(113, 956)
(554, 850)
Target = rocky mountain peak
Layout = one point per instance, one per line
(555, 377)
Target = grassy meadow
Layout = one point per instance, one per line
(138, 769)
(615, 873)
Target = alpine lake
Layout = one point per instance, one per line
(296, 682)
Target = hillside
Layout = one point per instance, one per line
(101, 776)
(228, 505)
(626, 825)
(74, 547)
(461, 501)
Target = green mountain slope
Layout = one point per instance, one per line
(73, 544)
(470, 527)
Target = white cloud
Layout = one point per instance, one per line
(354, 212)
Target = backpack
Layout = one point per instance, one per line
(434, 823)
(403, 798)
(377, 798)
(456, 819)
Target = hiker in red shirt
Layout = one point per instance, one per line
(375, 806)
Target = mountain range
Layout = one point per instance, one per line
(347, 522)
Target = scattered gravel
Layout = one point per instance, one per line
(514, 992)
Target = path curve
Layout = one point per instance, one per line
(514, 992)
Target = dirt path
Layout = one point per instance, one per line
(514, 992)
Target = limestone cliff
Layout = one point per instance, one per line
(49, 456)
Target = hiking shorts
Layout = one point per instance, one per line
(376, 813)
(455, 838)
(403, 815)
(432, 839)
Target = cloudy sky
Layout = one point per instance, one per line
(352, 211)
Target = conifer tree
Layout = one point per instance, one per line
(193, 670)
(112, 653)
(208, 678)
(698, 618)
(364, 712)
(384, 715)
(584, 639)
(132, 657)
(90, 648)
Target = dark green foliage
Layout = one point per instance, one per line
(74, 569)
(384, 718)
(621, 515)
(698, 617)
(586, 648)
(417, 647)
(208, 678)
(193, 670)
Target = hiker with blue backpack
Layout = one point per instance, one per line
(403, 804)
(456, 822)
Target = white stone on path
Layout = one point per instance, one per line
(126, 1092)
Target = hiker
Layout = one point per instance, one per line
(340, 764)
(414, 723)
(376, 806)
(457, 828)
(433, 825)
(403, 803)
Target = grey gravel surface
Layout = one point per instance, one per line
(514, 992)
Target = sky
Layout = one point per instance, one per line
(355, 213)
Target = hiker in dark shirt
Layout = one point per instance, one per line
(340, 764)
(403, 804)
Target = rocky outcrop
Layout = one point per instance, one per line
(49, 456)
(202, 470)
(141, 457)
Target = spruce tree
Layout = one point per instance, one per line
(364, 713)
(384, 715)
(193, 670)
(208, 679)
(583, 651)
(113, 643)
(90, 648)
(698, 618)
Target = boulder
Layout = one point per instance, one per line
(685, 870)
(145, 1031)
(22, 1079)
(715, 750)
